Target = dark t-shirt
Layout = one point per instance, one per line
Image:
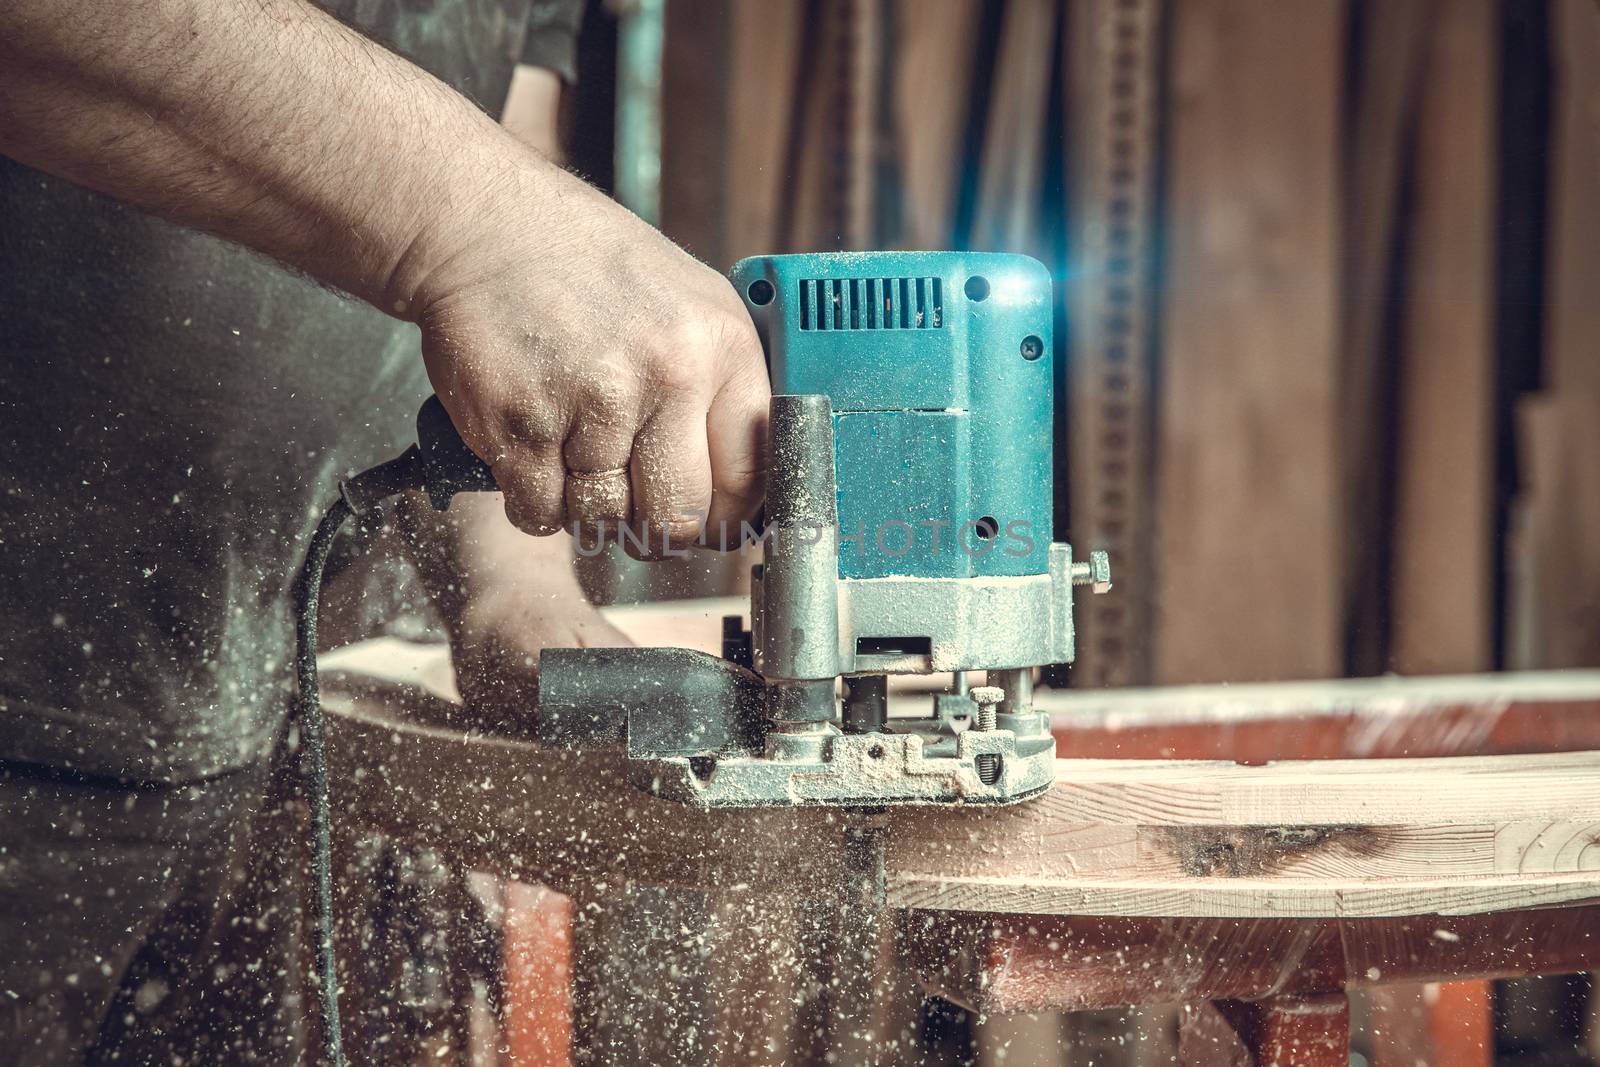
(174, 413)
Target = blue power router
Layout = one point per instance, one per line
(908, 532)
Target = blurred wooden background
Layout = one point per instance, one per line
(1328, 275)
(1329, 377)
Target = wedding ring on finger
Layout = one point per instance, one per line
(598, 496)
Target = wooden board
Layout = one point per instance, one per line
(1248, 579)
(1012, 167)
(932, 87)
(695, 83)
(1326, 838)
(1444, 554)
(762, 77)
(1061, 963)
(1391, 52)
(1482, 715)
(1112, 114)
(1555, 582)
(1332, 838)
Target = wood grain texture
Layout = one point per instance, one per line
(695, 83)
(763, 73)
(1574, 230)
(1112, 837)
(1248, 501)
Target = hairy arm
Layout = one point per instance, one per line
(560, 331)
(267, 122)
(502, 595)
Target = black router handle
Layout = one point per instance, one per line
(448, 465)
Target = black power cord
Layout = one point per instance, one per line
(441, 464)
(308, 597)
(356, 496)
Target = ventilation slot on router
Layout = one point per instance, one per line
(871, 304)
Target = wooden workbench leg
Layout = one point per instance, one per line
(536, 961)
(1438, 1023)
(1286, 1031)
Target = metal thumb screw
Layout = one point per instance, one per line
(1094, 571)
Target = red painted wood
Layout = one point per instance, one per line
(1460, 1023)
(1446, 729)
(537, 949)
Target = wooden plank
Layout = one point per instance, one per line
(1067, 963)
(1444, 550)
(1391, 55)
(1483, 715)
(863, 82)
(1573, 320)
(1556, 568)
(1012, 166)
(1388, 697)
(932, 87)
(1113, 837)
(1248, 575)
(1112, 110)
(695, 83)
(810, 211)
(763, 72)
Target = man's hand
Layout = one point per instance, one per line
(495, 648)
(602, 372)
(605, 375)
(503, 596)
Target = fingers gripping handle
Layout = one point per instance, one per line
(448, 465)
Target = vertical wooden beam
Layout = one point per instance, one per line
(537, 975)
(1113, 62)
(932, 91)
(1573, 323)
(1444, 554)
(864, 81)
(765, 42)
(1248, 574)
(1554, 621)
(1012, 167)
(1389, 58)
(1282, 1031)
(695, 83)
(1436, 1023)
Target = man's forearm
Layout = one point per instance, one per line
(265, 121)
(561, 332)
